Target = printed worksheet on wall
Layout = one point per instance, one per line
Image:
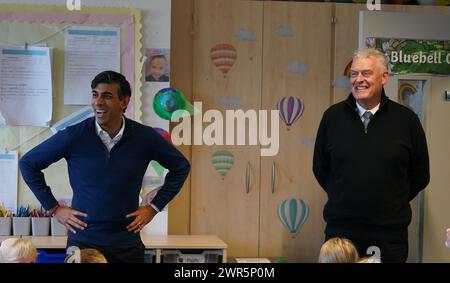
(25, 86)
(87, 52)
(8, 176)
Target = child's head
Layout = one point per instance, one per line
(337, 250)
(17, 250)
(369, 260)
(157, 66)
(91, 256)
(85, 256)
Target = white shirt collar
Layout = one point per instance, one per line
(100, 132)
(361, 109)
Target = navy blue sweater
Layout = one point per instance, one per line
(106, 185)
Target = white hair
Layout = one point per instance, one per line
(17, 250)
(372, 52)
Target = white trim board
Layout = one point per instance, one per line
(402, 25)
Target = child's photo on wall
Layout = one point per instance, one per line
(157, 65)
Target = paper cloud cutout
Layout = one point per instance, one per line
(284, 31)
(297, 68)
(245, 34)
(342, 82)
(309, 142)
(230, 102)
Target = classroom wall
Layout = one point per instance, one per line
(181, 20)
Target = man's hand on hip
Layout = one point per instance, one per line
(67, 216)
(143, 215)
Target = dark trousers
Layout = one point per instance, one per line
(392, 251)
(115, 254)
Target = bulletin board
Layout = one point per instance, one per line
(43, 25)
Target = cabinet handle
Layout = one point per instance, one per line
(273, 177)
(247, 178)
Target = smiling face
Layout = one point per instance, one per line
(157, 67)
(107, 106)
(367, 80)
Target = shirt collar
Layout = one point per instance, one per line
(100, 131)
(361, 110)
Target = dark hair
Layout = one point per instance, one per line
(111, 77)
(160, 56)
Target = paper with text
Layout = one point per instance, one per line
(88, 51)
(8, 176)
(25, 86)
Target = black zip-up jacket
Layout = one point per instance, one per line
(370, 177)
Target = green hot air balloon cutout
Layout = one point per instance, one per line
(168, 100)
(222, 160)
(293, 213)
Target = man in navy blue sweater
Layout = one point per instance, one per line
(107, 157)
(371, 158)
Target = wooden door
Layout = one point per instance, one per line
(224, 206)
(297, 62)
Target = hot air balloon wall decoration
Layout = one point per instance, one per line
(223, 56)
(293, 213)
(291, 109)
(222, 161)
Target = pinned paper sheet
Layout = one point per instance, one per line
(73, 119)
(2, 120)
(8, 176)
(26, 86)
(88, 51)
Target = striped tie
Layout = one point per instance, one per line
(366, 119)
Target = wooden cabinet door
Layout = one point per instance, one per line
(297, 62)
(222, 205)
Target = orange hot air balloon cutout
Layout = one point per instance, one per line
(223, 57)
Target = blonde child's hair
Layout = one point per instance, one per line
(17, 250)
(369, 260)
(87, 255)
(92, 256)
(337, 250)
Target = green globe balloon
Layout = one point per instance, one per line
(167, 101)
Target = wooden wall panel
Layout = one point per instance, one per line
(219, 205)
(181, 78)
(311, 46)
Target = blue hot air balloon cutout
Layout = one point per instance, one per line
(293, 214)
(291, 108)
(222, 160)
